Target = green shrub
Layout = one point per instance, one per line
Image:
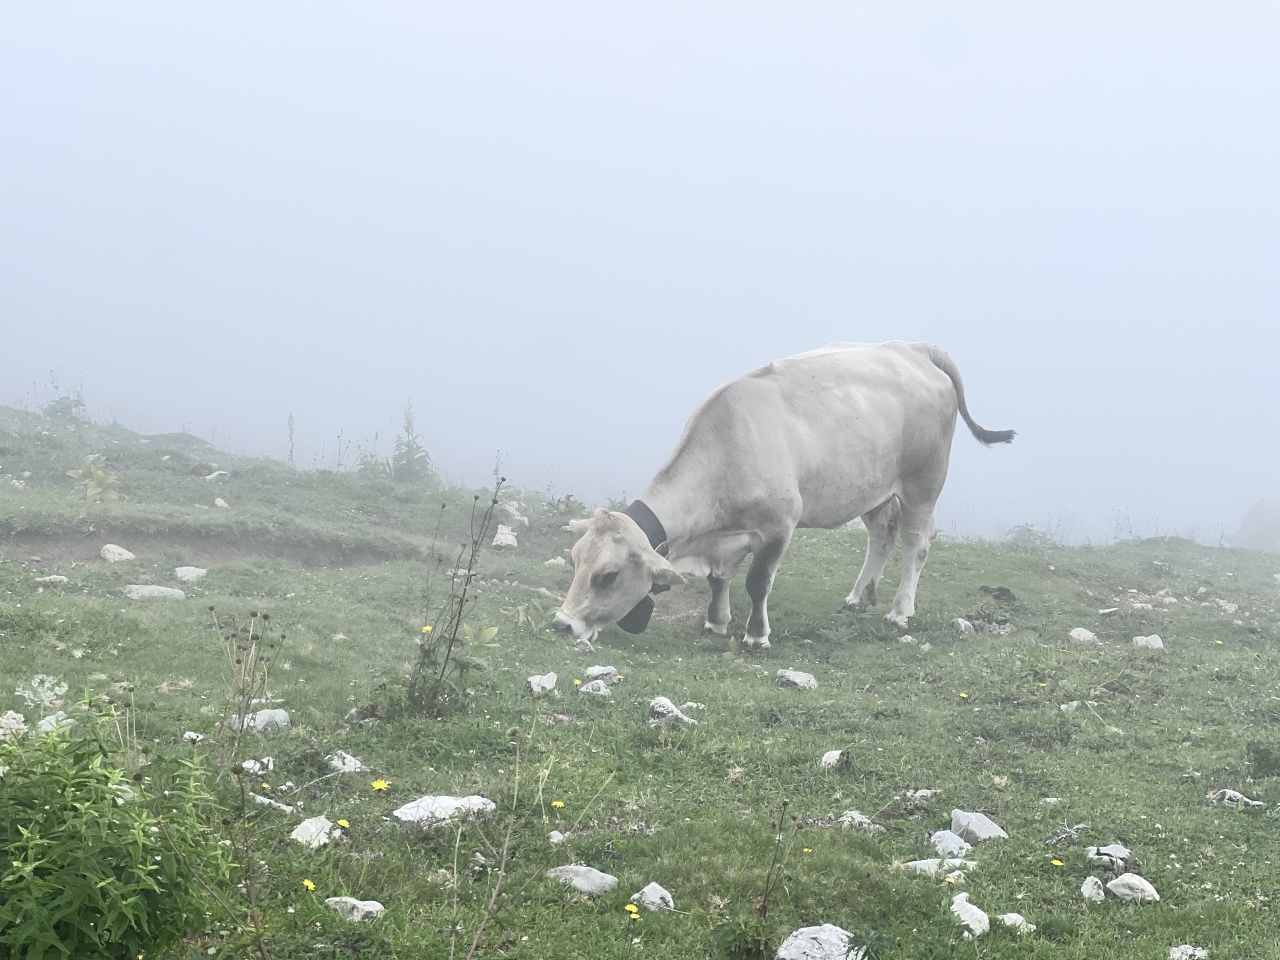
(90, 864)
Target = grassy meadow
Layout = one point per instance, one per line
(341, 566)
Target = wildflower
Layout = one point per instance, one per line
(1057, 863)
(964, 696)
(266, 786)
(426, 629)
(578, 683)
(948, 879)
(808, 849)
(1044, 684)
(621, 677)
(308, 884)
(557, 803)
(344, 824)
(379, 784)
(632, 911)
(1218, 642)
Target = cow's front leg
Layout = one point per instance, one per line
(759, 582)
(917, 535)
(882, 531)
(718, 610)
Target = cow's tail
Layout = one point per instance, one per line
(943, 362)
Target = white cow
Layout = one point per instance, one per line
(851, 430)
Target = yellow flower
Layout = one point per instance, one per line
(578, 683)
(1044, 684)
(344, 824)
(808, 849)
(557, 803)
(1057, 863)
(1218, 642)
(949, 879)
(266, 786)
(631, 908)
(426, 629)
(621, 677)
(308, 884)
(379, 784)
(964, 696)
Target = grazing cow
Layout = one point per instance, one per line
(1260, 529)
(851, 430)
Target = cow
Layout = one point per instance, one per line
(815, 440)
(1260, 529)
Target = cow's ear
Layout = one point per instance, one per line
(663, 573)
(579, 526)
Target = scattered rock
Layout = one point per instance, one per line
(541, 684)
(266, 764)
(55, 721)
(353, 909)
(583, 645)
(975, 827)
(962, 626)
(1018, 922)
(315, 832)
(608, 674)
(949, 845)
(345, 763)
(1070, 707)
(1188, 952)
(662, 710)
(1232, 798)
(505, 537)
(1091, 889)
(555, 837)
(442, 808)
(190, 574)
(1114, 855)
(554, 562)
(1081, 635)
(1152, 642)
(217, 475)
(586, 880)
(221, 504)
(831, 758)
(654, 897)
(926, 647)
(148, 591)
(1226, 607)
(917, 798)
(1050, 801)
(1106, 610)
(507, 515)
(597, 687)
(859, 821)
(908, 638)
(690, 705)
(1130, 886)
(268, 802)
(827, 942)
(192, 737)
(51, 581)
(797, 679)
(265, 720)
(934, 865)
(114, 554)
(976, 920)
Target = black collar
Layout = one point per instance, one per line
(649, 524)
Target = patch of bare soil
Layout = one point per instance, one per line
(682, 604)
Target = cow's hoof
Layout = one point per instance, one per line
(755, 643)
(896, 620)
(719, 629)
(851, 605)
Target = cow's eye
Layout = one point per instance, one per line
(605, 579)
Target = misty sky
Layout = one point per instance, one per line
(557, 226)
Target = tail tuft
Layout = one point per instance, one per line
(988, 437)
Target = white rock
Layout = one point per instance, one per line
(1081, 635)
(935, 865)
(505, 537)
(268, 802)
(1050, 801)
(596, 687)
(1152, 642)
(690, 705)
(859, 821)
(114, 554)
(265, 720)
(55, 721)
(1188, 952)
(315, 832)
(148, 591)
(975, 827)
(442, 808)
(797, 679)
(266, 764)
(541, 684)
(507, 515)
(1225, 606)
(1130, 886)
(345, 763)
(192, 737)
(907, 639)
(555, 837)
(585, 879)
(976, 920)
(917, 797)
(554, 562)
(1233, 798)
(1017, 921)
(1113, 854)
(51, 581)
(654, 897)
(190, 574)
(962, 626)
(1091, 889)
(831, 757)
(926, 647)
(353, 909)
(608, 674)
(583, 645)
(827, 942)
(1071, 707)
(949, 845)
(662, 710)
(216, 475)
(221, 504)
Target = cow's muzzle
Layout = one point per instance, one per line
(561, 625)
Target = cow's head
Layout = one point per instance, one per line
(614, 570)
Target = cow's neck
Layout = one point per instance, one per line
(682, 510)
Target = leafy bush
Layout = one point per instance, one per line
(91, 865)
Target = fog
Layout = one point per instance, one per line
(557, 226)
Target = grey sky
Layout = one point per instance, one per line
(557, 226)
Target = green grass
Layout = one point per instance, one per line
(327, 555)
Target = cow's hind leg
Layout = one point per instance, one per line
(718, 609)
(917, 535)
(882, 531)
(759, 582)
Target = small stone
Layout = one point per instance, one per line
(1050, 801)
(859, 821)
(345, 763)
(1130, 886)
(583, 645)
(962, 626)
(147, 591)
(315, 832)
(586, 880)
(654, 897)
(1188, 952)
(554, 562)
(1091, 889)
(797, 679)
(608, 674)
(353, 909)
(827, 942)
(507, 515)
(216, 475)
(51, 581)
(916, 798)
(975, 827)
(541, 684)
(1232, 798)
(949, 845)
(265, 720)
(1152, 642)
(221, 504)
(831, 758)
(596, 687)
(192, 737)
(907, 639)
(114, 554)
(1070, 707)
(690, 705)
(934, 865)
(1114, 855)
(258, 766)
(926, 647)
(190, 574)
(505, 538)
(442, 808)
(1081, 635)
(1018, 922)
(555, 837)
(662, 710)
(976, 920)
